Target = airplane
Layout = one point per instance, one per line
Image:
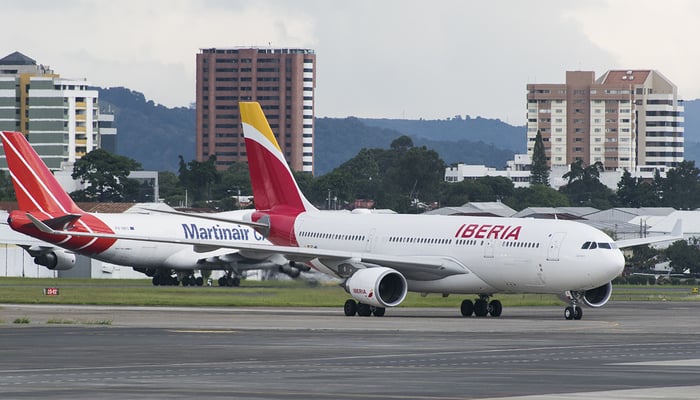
(40, 194)
(380, 257)
(383, 256)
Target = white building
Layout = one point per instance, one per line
(517, 170)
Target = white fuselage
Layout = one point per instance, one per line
(170, 255)
(496, 254)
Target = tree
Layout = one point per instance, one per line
(106, 176)
(643, 257)
(539, 170)
(681, 187)
(197, 178)
(634, 192)
(584, 188)
(536, 196)
(7, 189)
(684, 256)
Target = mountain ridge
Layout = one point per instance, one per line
(155, 135)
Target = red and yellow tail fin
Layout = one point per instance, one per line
(274, 186)
(36, 188)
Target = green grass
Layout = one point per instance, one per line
(296, 293)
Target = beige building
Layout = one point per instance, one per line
(626, 119)
(59, 116)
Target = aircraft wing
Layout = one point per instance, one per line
(676, 234)
(412, 267)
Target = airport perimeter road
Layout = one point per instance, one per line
(623, 351)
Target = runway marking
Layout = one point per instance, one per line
(674, 392)
(202, 331)
(695, 362)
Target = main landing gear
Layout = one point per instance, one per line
(573, 312)
(481, 307)
(353, 308)
(230, 279)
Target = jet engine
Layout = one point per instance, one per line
(58, 260)
(379, 287)
(595, 298)
(294, 269)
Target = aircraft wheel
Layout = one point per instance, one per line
(199, 281)
(350, 308)
(495, 308)
(569, 313)
(578, 313)
(223, 281)
(379, 311)
(364, 310)
(236, 282)
(481, 308)
(467, 308)
(156, 281)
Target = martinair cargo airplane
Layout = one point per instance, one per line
(40, 195)
(380, 257)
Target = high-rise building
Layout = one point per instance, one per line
(59, 116)
(626, 119)
(281, 79)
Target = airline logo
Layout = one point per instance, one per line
(487, 231)
(363, 292)
(217, 232)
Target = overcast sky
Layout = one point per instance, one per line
(392, 59)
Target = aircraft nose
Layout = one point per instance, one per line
(616, 264)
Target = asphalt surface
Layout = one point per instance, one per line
(622, 351)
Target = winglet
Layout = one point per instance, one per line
(677, 230)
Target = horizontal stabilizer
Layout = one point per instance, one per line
(52, 225)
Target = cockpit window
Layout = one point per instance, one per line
(596, 245)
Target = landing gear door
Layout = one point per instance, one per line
(555, 246)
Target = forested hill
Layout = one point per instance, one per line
(491, 131)
(338, 140)
(155, 135)
(150, 133)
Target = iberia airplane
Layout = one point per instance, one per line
(380, 257)
(383, 256)
(40, 195)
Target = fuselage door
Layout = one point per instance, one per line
(370, 240)
(488, 248)
(555, 246)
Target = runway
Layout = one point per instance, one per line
(622, 351)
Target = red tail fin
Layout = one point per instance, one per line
(275, 192)
(36, 188)
(274, 187)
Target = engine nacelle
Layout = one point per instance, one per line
(379, 287)
(595, 298)
(294, 269)
(58, 260)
